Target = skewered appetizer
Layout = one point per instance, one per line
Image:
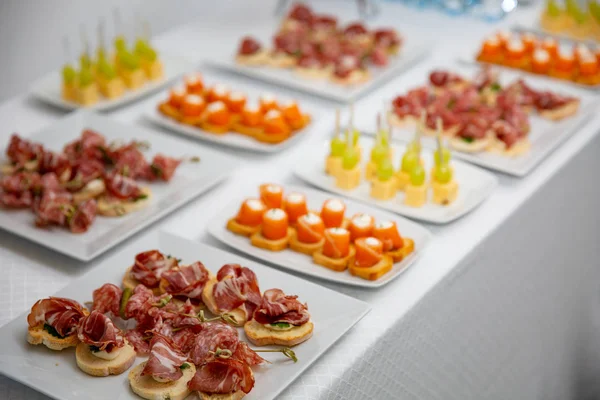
(186, 351)
(542, 56)
(328, 236)
(315, 47)
(219, 110)
(349, 176)
(333, 163)
(443, 184)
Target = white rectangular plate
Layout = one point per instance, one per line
(411, 52)
(190, 180)
(475, 185)
(545, 135)
(230, 139)
(48, 88)
(56, 374)
(301, 263)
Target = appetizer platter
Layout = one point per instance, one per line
(101, 187)
(217, 113)
(425, 185)
(108, 78)
(313, 233)
(493, 118)
(320, 55)
(142, 327)
(542, 54)
(571, 20)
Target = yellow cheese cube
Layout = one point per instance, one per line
(133, 79)
(154, 70)
(444, 193)
(370, 171)
(333, 165)
(384, 190)
(87, 95)
(415, 196)
(112, 88)
(402, 179)
(348, 178)
(69, 92)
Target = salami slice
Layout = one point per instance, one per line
(236, 286)
(107, 298)
(165, 360)
(222, 376)
(276, 307)
(212, 336)
(249, 46)
(99, 331)
(188, 280)
(83, 216)
(60, 313)
(150, 265)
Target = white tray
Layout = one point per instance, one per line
(545, 135)
(48, 88)
(230, 139)
(475, 185)
(301, 263)
(55, 373)
(411, 52)
(190, 180)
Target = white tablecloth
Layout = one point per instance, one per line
(500, 305)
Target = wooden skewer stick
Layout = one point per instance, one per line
(101, 25)
(86, 45)
(438, 124)
(118, 23)
(351, 127)
(378, 137)
(147, 30)
(67, 49)
(336, 132)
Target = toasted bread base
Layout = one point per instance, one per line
(229, 396)
(259, 58)
(313, 73)
(242, 129)
(565, 111)
(305, 248)
(336, 264)
(129, 282)
(476, 146)
(92, 365)
(404, 122)
(218, 129)
(262, 242)
(117, 208)
(38, 335)
(356, 77)
(169, 111)
(260, 335)
(449, 132)
(498, 147)
(281, 60)
(399, 254)
(375, 272)
(148, 388)
(239, 229)
(90, 191)
(209, 301)
(272, 138)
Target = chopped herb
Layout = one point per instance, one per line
(50, 329)
(141, 197)
(468, 139)
(184, 366)
(156, 170)
(451, 104)
(281, 325)
(95, 349)
(496, 87)
(105, 157)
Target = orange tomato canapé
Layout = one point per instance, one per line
(295, 206)
(176, 96)
(369, 251)
(337, 243)
(236, 102)
(333, 212)
(310, 228)
(387, 233)
(194, 83)
(361, 225)
(251, 212)
(271, 195)
(193, 105)
(218, 114)
(275, 224)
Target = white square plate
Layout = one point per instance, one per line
(229, 139)
(411, 52)
(545, 135)
(475, 185)
(190, 180)
(301, 263)
(48, 88)
(56, 373)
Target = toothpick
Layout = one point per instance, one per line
(84, 39)
(438, 124)
(117, 18)
(147, 30)
(378, 137)
(67, 49)
(337, 123)
(101, 25)
(420, 126)
(352, 117)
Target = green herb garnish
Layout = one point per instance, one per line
(281, 325)
(95, 349)
(141, 197)
(156, 170)
(496, 87)
(50, 329)
(184, 366)
(105, 157)
(127, 292)
(468, 139)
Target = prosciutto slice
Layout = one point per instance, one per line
(53, 208)
(276, 307)
(162, 168)
(20, 182)
(107, 298)
(222, 376)
(83, 216)
(61, 314)
(150, 265)
(188, 280)
(164, 360)
(551, 101)
(129, 161)
(21, 151)
(121, 187)
(99, 331)
(237, 286)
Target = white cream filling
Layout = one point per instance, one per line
(334, 205)
(108, 356)
(311, 218)
(362, 220)
(276, 214)
(272, 114)
(371, 241)
(541, 55)
(216, 106)
(338, 231)
(255, 204)
(295, 198)
(384, 224)
(220, 89)
(194, 99)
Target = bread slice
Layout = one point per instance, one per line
(262, 242)
(239, 229)
(498, 147)
(242, 129)
(92, 190)
(305, 248)
(169, 111)
(476, 146)
(129, 282)
(375, 272)
(95, 366)
(301, 123)
(272, 138)
(407, 121)
(209, 301)
(356, 77)
(117, 208)
(399, 254)
(148, 388)
(260, 335)
(336, 264)
(229, 396)
(38, 335)
(218, 129)
(259, 58)
(193, 121)
(559, 113)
